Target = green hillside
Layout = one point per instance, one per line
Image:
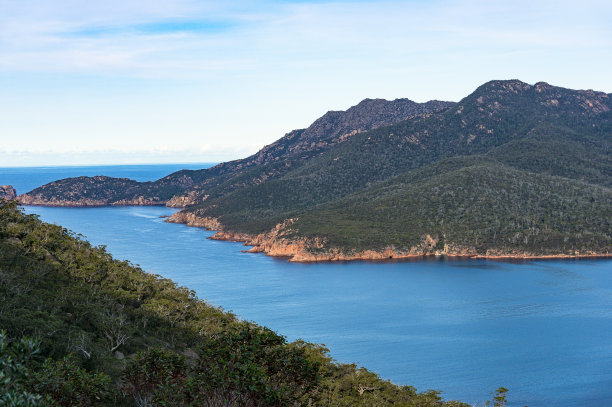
(191, 186)
(531, 148)
(105, 333)
(473, 204)
(538, 180)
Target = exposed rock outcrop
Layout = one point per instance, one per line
(191, 219)
(182, 201)
(7, 192)
(279, 242)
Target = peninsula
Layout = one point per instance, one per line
(511, 170)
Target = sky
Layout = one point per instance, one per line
(155, 81)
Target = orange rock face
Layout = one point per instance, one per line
(278, 242)
(191, 219)
(181, 201)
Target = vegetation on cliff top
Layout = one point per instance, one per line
(107, 333)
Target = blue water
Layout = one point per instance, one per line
(25, 179)
(540, 328)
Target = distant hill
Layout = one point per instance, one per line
(189, 186)
(513, 169)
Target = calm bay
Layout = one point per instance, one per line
(540, 328)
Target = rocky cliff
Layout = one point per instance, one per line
(7, 192)
(281, 242)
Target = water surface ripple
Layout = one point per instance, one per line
(540, 328)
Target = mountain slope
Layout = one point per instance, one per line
(189, 186)
(110, 334)
(289, 198)
(538, 138)
(467, 206)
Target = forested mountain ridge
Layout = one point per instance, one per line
(187, 186)
(538, 140)
(108, 334)
(290, 199)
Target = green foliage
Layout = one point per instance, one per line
(499, 398)
(250, 367)
(67, 384)
(155, 375)
(113, 335)
(14, 373)
(253, 366)
(473, 204)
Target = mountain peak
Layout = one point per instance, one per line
(542, 85)
(497, 95)
(504, 86)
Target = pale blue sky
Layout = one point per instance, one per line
(124, 81)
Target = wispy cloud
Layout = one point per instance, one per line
(137, 39)
(155, 28)
(162, 154)
(128, 73)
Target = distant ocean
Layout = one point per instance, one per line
(542, 329)
(25, 179)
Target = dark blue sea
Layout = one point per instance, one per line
(543, 329)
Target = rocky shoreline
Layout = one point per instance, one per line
(85, 203)
(275, 244)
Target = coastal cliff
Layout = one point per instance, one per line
(281, 242)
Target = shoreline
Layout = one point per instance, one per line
(273, 244)
(85, 203)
